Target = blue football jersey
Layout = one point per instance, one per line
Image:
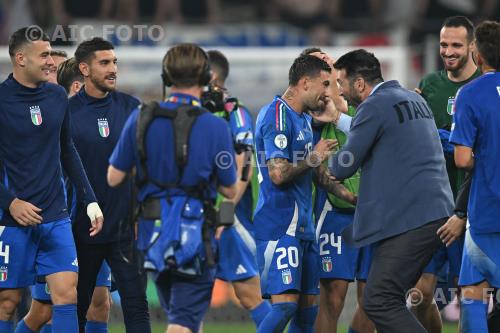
(240, 123)
(286, 209)
(477, 125)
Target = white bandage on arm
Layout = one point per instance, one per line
(344, 123)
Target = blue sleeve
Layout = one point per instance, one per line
(225, 166)
(464, 129)
(70, 161)
(240, 122)
(365, 129)
(277, 136)
(123, 156)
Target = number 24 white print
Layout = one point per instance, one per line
(335, 241)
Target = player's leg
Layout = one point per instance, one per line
(100, 305)
(305, 317)
(57, 261)
(21, 244)
(480, 270)
(40, 312)
(130, 283)
(38, 315)
(280, 266)
(337, 267)
(423, 305)
(9, 299)
(331, 297)
(360, 322)
(238, 264)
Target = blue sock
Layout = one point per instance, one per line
(64, 318)
(47, 328)
(277, 319)
(260, 312)
(351, 330)
(6, 326)
(473, 316)
(22, 328)
(303, 320)
(96, 327)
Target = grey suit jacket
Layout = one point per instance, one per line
(404, 185)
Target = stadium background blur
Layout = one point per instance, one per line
(260, 38)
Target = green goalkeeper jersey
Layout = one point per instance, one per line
(439, 92)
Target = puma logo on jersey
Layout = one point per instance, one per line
(240, 270)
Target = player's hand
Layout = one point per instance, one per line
(329, 115)
(451, 230)
(96, 219)
(323, 149)
(25, 213)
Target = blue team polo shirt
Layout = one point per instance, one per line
(96, 125)
(283, 133)
(477, 125)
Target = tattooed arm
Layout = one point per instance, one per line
(282, 171)
(325, 180)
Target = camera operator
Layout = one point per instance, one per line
(183, 155)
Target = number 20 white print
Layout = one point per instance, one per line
(335, 241)
(293, 257)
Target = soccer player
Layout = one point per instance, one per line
(476, 137)
(59, 57)
(439, 90)
(340, 262)
(237, 250)
(404, 194)
(35, 141)
(99, 113)
(174, 192)
(287, 253)
(40, 312)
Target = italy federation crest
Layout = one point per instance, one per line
(286, 275)
(103, 127)
(3, 273)
(36, 115)
(327, 264)
(450, 108)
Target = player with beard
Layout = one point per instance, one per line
(99, 113)
(287, 252)
(439, 90)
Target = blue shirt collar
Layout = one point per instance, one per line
(376, 87)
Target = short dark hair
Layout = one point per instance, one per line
(360, 63)
(68, 72)
(86, 49)
(58, 53)
(218, 62)
(460, 21)
(488, 42)
(24, 36)
(310, 50)
(306, 65)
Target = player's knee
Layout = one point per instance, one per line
(64, 296)
(8, 304)
(99, 309)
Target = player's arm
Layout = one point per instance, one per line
(225, 173)
(325, 180)
(72, 164)
(115, 176)
(282, 171)
(464, 158)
